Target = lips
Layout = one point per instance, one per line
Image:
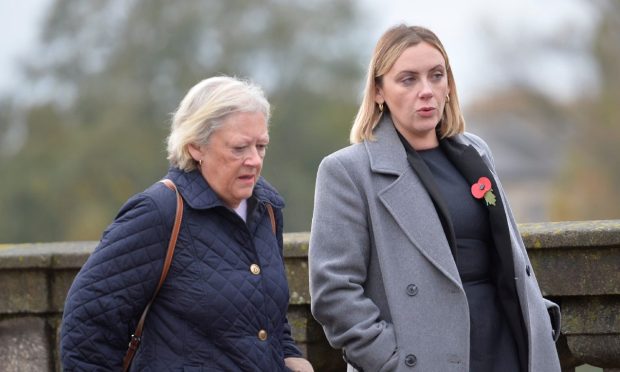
(426, 111)
(247, 178)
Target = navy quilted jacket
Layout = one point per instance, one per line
(211, 308)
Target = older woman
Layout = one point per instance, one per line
(415, 257)
(223, 304)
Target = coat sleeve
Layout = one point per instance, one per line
(112, 288)
(288, 343)
(338, 258)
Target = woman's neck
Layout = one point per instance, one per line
(424, 141)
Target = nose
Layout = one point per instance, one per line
(426, 92)
(253, 158)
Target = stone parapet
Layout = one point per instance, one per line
(577, 265)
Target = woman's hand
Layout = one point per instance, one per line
(298, 364)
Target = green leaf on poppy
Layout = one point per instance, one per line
(489, 197)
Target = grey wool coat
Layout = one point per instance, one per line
(383, 281)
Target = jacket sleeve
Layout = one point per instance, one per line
(112, 288)
(338, 258)
(287, 341)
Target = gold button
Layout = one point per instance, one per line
(262, 335)
(255, 269)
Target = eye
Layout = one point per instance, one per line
(438, 75)
(239, 150)
(408, 80)
(262, 149)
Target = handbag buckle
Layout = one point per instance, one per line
(134, 342)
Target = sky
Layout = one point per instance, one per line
(481, 37)
(21, 21)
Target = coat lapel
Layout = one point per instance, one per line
(428, 180)
(408, 201)
(471, 164)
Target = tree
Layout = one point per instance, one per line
(110, 74)
(588, 188)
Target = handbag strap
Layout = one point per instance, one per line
(271, 217)
(137, 335)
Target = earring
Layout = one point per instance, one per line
(200, 162)
(447, 98)
(381, 106)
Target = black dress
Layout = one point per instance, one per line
(492, 345)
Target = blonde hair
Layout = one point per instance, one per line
(204, 109)
(388, 49)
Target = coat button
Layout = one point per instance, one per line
(411, 360)
(262, 335)
(255, 269)
(527, 270)
(412, 289)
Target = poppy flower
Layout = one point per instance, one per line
(482, 189)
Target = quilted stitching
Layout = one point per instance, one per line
(211, 307)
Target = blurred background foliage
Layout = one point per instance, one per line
(112, 72)
(589, 185)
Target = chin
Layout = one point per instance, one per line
(245, 195)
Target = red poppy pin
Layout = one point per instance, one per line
(482, 189)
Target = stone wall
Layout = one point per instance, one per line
(577, 265)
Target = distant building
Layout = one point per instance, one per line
(528, 135)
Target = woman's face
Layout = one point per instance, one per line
(415, 91)
(233, 157)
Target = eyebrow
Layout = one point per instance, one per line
(246, 139)
(438, 66)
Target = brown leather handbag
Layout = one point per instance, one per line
(137, 335)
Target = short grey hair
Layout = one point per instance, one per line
(204, 108)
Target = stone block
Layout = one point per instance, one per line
(596, 350)
(297, 275)
(24, 346)
(296, 262)
(23, 291)
(585, 271)
(60, 283)
(591, 315)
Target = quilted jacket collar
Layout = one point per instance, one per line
(199, 195)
